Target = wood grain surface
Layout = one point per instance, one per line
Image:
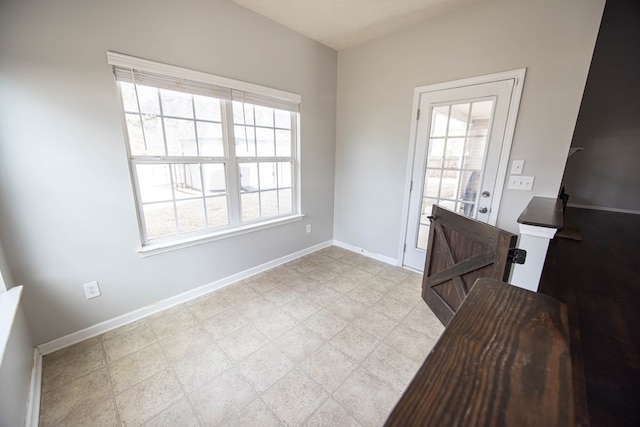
(503, 360)
(542, 212)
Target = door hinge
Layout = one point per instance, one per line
(516, 256)
(418, 115)
(411, 187)
(405, 248)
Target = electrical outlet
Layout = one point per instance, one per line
(308, 228)
(519, 182)
(91, 289)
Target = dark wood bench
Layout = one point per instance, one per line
(504, 360)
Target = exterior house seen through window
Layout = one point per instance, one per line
(207, 156)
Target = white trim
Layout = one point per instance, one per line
(516, 94)
(507, 141)
(100, 328)
(532, 230)
(360, 251)
(471, 81)
(603, 208)
(160, 248)
(33, 404)
(9, 302)
(409, 176)
(121, 60)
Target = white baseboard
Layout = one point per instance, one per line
(383, 258)
(101, 328)
(33, 404)
(603, 208)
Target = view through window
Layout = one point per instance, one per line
(204, 159)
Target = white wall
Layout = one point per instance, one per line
(553, 39)
(66, 205)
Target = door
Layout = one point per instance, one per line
(462, 144)
(459, 251)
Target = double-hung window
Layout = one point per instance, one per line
(209, 156)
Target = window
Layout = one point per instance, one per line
(207, 156)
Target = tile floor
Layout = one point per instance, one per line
(330, 339)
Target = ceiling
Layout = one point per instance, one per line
(341, 24)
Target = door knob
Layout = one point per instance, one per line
(485, 194)
(483, 210)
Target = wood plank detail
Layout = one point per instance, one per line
(460, 268)
(503, 360)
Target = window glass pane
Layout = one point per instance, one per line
(448, 204)
(249, 177)
(210, 139)
(176, 104)
(283, 119)
(269, 203)
(432, 182)
(468, 191)
(264, 116)
(474, 153)
(436, 153)
(453, 154)
(439, 117)
(154, 182)
(207, 108)
(283, 143)
(181, 137)
(134, 132)
(154, 135)
(190, 215)
(250, 206)
(187, 180)
(128, 97)
(266, 146)
(284, 175)
(480, 117)
(285, 201)
(217, 212)
(245, 141)
(268, 179)
(423, 236)
(214, 179)
(242, 113)
(160, 220)
(449, 184)
(459, 119)
(425, 209)
(148, 98)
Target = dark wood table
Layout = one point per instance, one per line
(503, 360)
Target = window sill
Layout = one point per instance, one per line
(160, 248)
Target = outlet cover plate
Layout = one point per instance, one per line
(519, 182)
(91, 289)
(517, 167)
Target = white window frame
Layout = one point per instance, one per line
(249, 93)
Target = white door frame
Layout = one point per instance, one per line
(518, 76)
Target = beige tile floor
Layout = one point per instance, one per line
(330, 339)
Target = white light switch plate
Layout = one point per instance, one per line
(519, 182)
(517, 167)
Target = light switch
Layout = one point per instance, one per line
(517, 167)
(519, 182)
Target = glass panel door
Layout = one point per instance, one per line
(456, 150)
